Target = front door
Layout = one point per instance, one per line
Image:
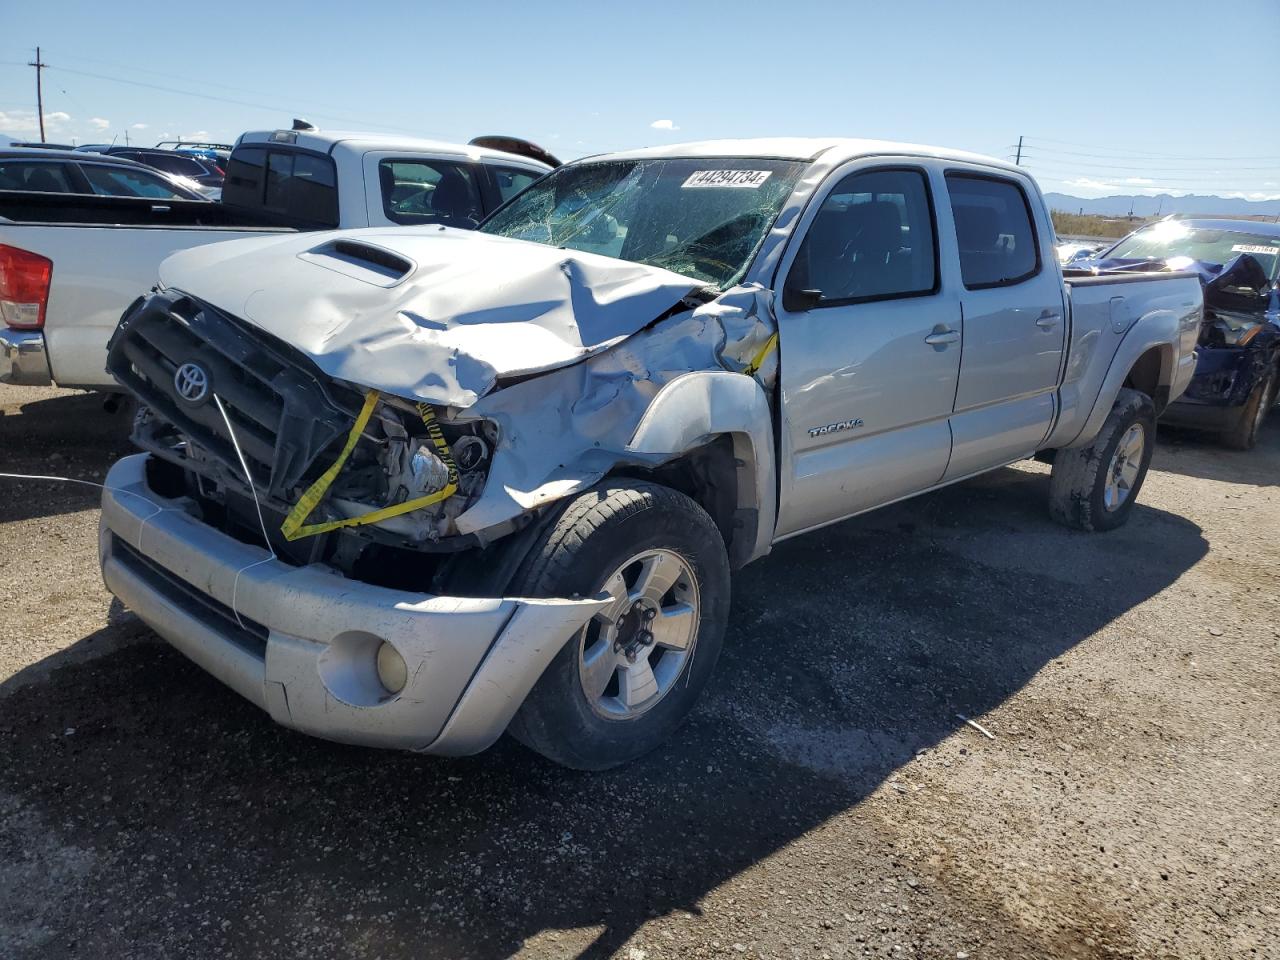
(1014, 323)
(870, 351)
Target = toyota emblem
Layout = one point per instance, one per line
(192, 383)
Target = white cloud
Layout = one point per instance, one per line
(138, 126)
(1139, 181)
(98, 123)
(26, 122)
(198, 135)
(664, 125)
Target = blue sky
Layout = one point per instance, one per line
(1111, 98)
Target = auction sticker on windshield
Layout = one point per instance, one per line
(1248, 248)
(742, 179)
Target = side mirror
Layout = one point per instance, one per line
(801, 300)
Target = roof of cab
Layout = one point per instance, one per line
(326, 141)
(835, 149)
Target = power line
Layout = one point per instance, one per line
(1219, 182)
(1113, 153)
(230, 100)
(1034, 153)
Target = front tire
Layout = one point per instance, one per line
(629, 678)
(1243, 434)
(1094, 487)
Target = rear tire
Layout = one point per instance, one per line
(628, 679)
(1094, 487)
(1243, 434)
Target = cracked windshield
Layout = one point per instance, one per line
(702, 218)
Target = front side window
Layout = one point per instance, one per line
(436, 191)
(994, 231)
(872, 239)
(37, 176)
(701, 217)
(123, 182)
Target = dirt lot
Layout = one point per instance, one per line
(826, 801)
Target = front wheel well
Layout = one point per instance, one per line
(708, 475)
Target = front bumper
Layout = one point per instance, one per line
(1223, 379)
(301, 642)
(23, 361)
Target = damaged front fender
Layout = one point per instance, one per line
(651, 398)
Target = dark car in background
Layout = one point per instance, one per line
(1237, 375)
(24, 170)
(205, 172)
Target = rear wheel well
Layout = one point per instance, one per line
(1145, 376)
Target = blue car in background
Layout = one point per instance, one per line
(1237, 375)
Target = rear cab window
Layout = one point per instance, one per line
(995, 231)
(288, 184)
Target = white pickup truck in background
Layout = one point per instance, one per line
(70, 263)
(503, 475)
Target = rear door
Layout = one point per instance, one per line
(869, 341)
(1014, 320)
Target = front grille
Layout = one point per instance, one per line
(283, 411)
(249, 634)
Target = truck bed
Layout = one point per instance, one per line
(100, 268)
(1103, 309)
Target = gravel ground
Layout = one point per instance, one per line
(825, 801)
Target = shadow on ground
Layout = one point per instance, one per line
(211, 832)
(65, 434)
(1192, 453)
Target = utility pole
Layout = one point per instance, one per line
(1017, 160)
(39, 65)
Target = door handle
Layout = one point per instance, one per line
(942, 337)
(1048, 320)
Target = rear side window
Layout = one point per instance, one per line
(994, 231)
(122, 182)
(181, 166)
(41, 177)
(436, 191)
(297, 186)
(872, 239)
(511, 181)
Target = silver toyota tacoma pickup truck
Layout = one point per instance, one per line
(414, 488)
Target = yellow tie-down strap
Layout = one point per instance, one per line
(754, 366)
(295, 526)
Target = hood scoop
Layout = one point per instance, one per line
(361, 261)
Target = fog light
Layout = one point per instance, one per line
(392, 671)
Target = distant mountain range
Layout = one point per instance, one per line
(1164, 204)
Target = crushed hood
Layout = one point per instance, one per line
(428, 313)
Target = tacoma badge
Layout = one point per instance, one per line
(835, 427)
